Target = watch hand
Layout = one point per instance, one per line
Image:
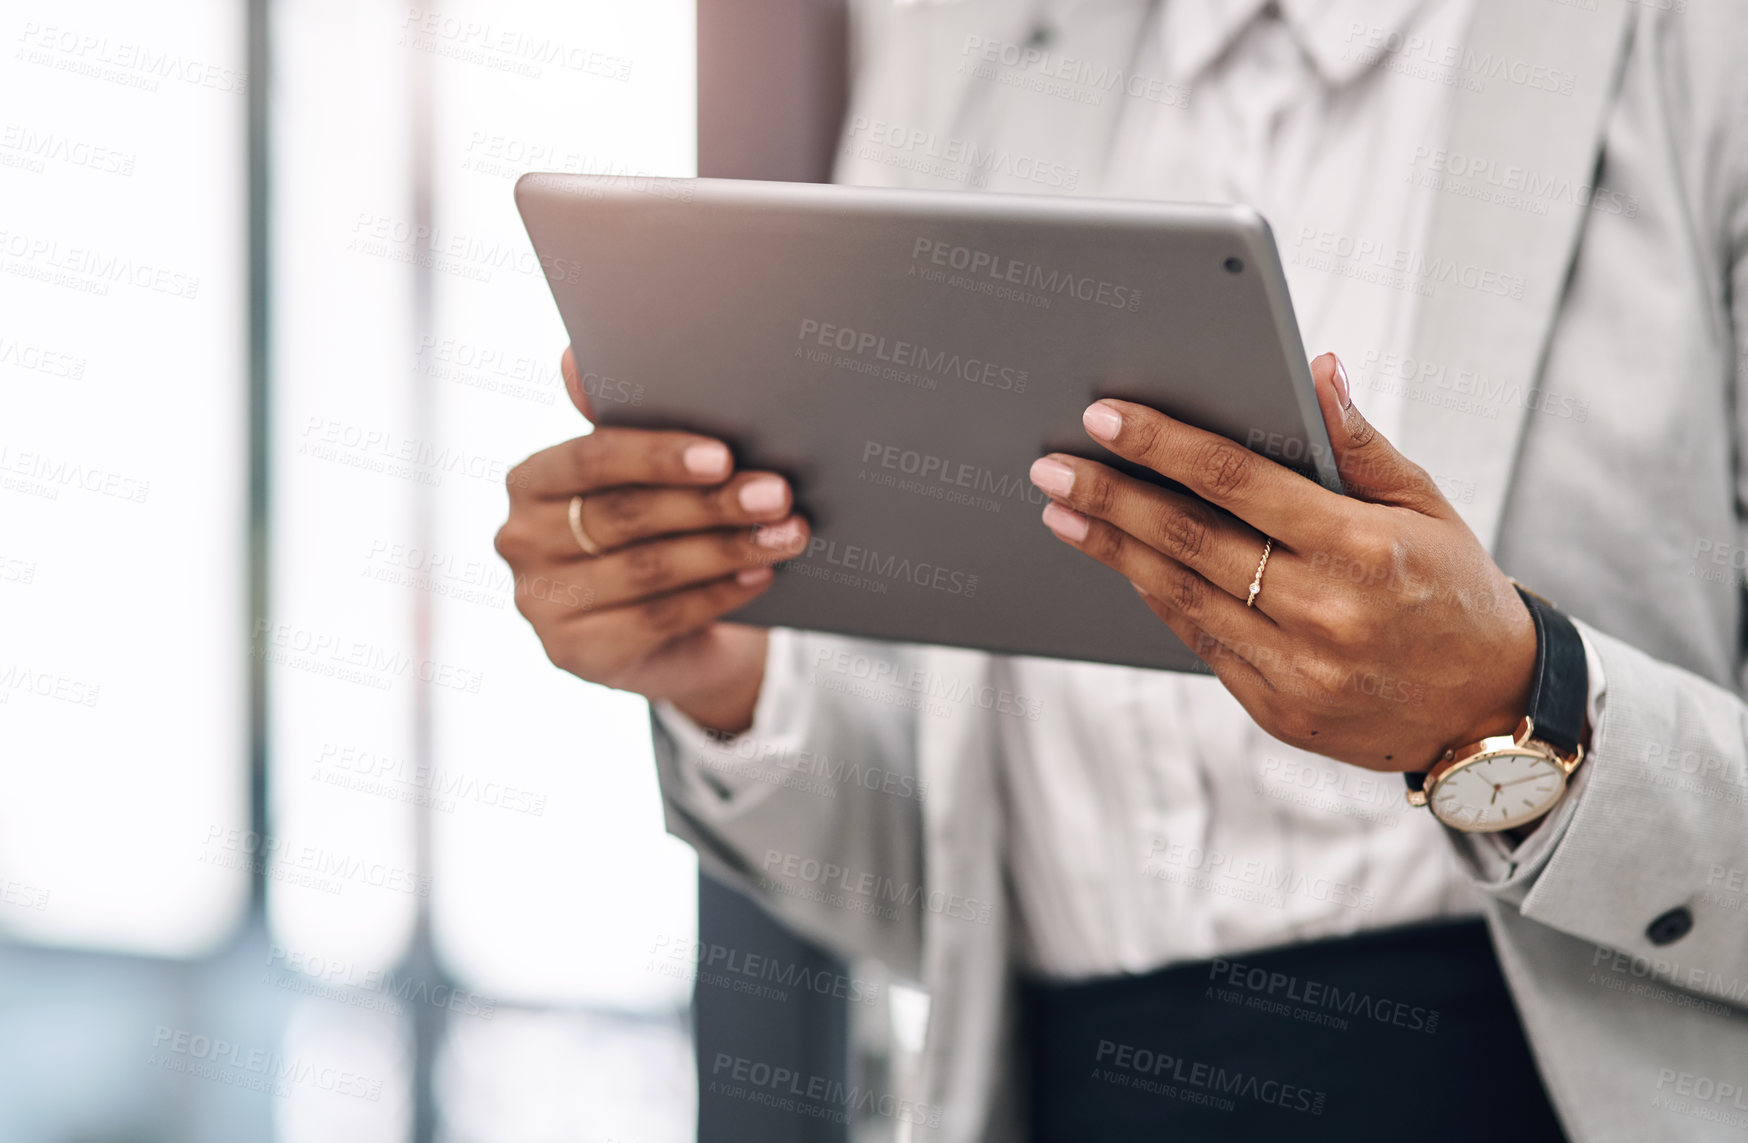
(1531, 778)
(1495, 797)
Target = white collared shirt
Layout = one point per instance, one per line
(1149, 819)
(1213, 838)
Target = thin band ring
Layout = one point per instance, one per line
(1256, 583)
(587, 542)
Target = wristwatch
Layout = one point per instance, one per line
(1503, 782)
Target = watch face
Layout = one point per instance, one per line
(1498, 791)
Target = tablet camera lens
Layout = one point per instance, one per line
(1234, 266)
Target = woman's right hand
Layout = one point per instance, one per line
(683, 539)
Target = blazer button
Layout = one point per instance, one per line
(1671, 926)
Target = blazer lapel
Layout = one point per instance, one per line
(1497, 271)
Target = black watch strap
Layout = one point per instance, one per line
(1562, 688)
(1560, 694)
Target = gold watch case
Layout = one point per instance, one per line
(1472, 760)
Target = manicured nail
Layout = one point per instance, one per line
(1065, 522)
(1342, 392)
(749, 577)
(1052, 476)
(1102, 421)
(706, 458)
(784, 535)
(762, 495)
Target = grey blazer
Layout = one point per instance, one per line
(1578, 384)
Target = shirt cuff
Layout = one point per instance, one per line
(722, 767)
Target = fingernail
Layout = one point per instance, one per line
(782, 535)
(762, 495)
(706, 458)
(1139, 590)
(1052, 476)
(747, 577)
(1342, 392)
(1065, 522)
(1102, 421)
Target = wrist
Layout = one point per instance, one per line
(724, 710)
(1496, 783)
(1514, 671)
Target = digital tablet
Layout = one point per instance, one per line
(902, 357)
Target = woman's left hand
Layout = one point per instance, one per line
(1383, 632)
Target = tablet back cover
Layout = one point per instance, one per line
(904, 356)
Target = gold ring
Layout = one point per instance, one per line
(1256, 584)
(584, 540)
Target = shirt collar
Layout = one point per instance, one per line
(1341, 38)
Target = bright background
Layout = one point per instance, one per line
(450, 936)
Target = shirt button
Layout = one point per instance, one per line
(1671, 926)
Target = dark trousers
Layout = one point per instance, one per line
(1404, 1033)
